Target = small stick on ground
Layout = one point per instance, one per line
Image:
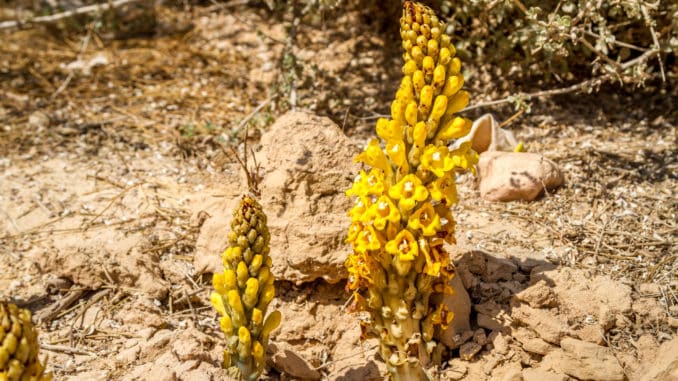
(59, 16)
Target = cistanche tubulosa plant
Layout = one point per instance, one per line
(401, 217)
(245, 289)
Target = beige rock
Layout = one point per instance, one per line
(545, 323)
(538, 295)
(456, 370)
(510, 371)
(536, 374)
(588, 361)
(491, 316)
(530, 342)
(302, 191)
(500, 342)
(286, 360)
(510, 176)
(468, 350)
(460, 304)
(665, 365)
(582, 296)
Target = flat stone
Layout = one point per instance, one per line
(511, 176)
(588, 361)
(468, 350)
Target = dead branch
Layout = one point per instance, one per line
(63, 15)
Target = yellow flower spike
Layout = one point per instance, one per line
(404, 246)
(375, 158)
(453, 84)
(411, 113)
(439, 107)
(444, 189)
(418, 81)
(218, 303)
(419, 134)
(226, 325)
(520, 147)
(249, 298)
(438, 78)
(455, 66)
(436, 159)
(244, 343)
(409, 67)
(408, 191)
(427, 66)
(454, 129)
(384, 211)
(425, 99)
(242, 273)
(425, 219)
(445, 56)
(237, 312)
(432, 48)
(457, 103)
(397, 111)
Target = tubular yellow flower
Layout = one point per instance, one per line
(425, 219)
(408, 191)
(444, 189)
(360, 206)
(404, 246)
(368, 239)
(374, 157)
(436, 159)
(454, 129)
(382, 212)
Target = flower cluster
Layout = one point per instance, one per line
(401, 216)
(243, 292)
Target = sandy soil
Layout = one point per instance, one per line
(114, 161)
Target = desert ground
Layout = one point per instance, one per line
(118, 180)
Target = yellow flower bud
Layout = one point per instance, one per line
(432, 48)
(249, 298)
(409, 67)
(218, 302)
(418, 81)
(454, 129)
(236, 310)
(425, 99)
(411, 113)
(427, 66)
(272, 322)
(417, 54)
(244, 343)
(242, 274)
(453, 84)
(439, 107)
(445, 56)
(397, 111)
(457, 103)
(438, 78)
(226, 325)
(455, 66)
(266, 296)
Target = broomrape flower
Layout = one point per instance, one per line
(408, 191)
(425, 219)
